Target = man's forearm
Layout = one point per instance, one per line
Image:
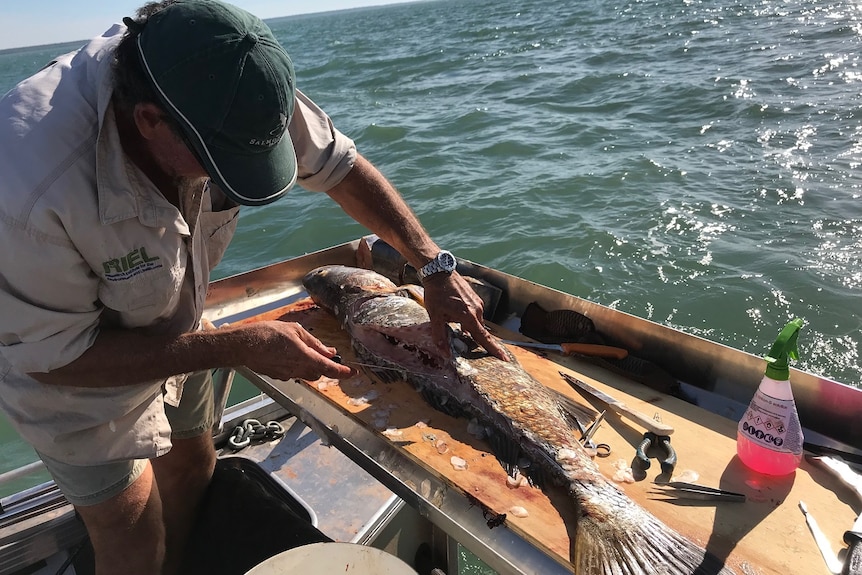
(120, 357)
(367, 197)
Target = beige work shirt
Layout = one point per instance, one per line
(88, 241)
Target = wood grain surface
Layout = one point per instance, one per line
(765, 535)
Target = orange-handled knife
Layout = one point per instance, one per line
(591, 349)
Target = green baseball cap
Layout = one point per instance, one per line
(223, 76)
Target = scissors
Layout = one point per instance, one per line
(577, 413)
(599, 449)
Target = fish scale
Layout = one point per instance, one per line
(613, 534)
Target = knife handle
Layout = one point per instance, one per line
(644, 420)
(594, 350)
(853, 560)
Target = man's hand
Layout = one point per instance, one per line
(448, 298)
(284, 350)
(366, 196)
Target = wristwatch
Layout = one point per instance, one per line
(442, 262)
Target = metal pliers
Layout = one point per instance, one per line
(660, 442)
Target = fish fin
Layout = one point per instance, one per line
(511, 457)
(536, 476)
(412, 291)
(637, 543)
(505, 450)
(574, 422)
(576, 415)
(440, 402)
(383, 374)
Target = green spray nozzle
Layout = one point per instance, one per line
(784, 347)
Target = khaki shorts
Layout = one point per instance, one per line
(94, 484)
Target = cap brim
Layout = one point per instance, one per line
(253, 179)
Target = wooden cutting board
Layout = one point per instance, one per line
(765, 535)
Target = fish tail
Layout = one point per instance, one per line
(646, 546)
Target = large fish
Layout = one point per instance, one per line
(389, 329)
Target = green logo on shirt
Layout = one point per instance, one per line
(133, 263)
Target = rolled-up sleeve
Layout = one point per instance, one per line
(323, 154)
(48, 305)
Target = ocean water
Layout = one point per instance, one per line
(696, 163)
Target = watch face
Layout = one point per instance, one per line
(442, 262)
(447, 260)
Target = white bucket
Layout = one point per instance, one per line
(347, 558)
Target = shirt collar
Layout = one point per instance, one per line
(124, 190)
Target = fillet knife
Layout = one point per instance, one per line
(619, 407)
(590, 349)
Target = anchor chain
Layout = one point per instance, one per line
(252, 429)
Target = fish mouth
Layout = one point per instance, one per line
(398, 346)
(388, 326)
(408, 347)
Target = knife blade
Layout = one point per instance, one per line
(619, 407)
(590, 349)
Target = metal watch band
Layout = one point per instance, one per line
(444, 261)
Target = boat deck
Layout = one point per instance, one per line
(362, 486)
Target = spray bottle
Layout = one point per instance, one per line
(769, 436)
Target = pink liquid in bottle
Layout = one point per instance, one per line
(769, 435)
(766, 460)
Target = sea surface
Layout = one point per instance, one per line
(695, 163)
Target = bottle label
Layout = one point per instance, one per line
(772, 423)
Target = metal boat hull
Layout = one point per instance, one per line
(719, 378)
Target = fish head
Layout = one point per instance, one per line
(395, 331)
(336, 288)
(387, 325)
